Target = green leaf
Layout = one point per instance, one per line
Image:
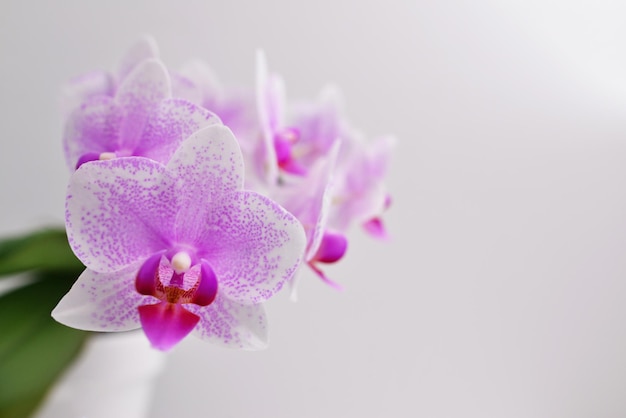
(42, 250)
(34, 348)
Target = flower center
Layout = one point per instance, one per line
(284, 141)
(177, 279)
(181, 261)
(106, 156)
(174, 281)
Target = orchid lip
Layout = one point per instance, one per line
(166, 324)
(166, 278)
(176, 280)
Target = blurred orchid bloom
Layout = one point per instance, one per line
(274, 155)
(320, 125)
(177, 248)
(97, 83)
(360, 195)
(310, 201)
(141, 119)
(236, 107)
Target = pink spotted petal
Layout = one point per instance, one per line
(102, 301)
(332, 248)
(92, 128)
(166, 324)
(376, 228)
(253, 245)
(172, 121)
(209, 165)
(231, 324)
(138, 95)
(120, 211)
(144, 48)
(82, 88)
(207, 290)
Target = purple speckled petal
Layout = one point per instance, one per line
(209, 164)
(91, 128)
(138, 95)
(166, 324)
(232, 325)
(83, 87)
(119, 211)
(253, 245)
(173, 121)
(102, 301)
(144, 48)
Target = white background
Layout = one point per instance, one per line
(502, 292)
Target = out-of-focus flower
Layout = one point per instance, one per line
(236, 107)
(309, 200)
(177, 248)
(360, 195)
(141, 119)
(274, 154)
(96, 83)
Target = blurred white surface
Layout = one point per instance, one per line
(113, 377)
(501, 294)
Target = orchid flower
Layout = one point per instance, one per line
(141, 119)
(177, 248)
(274, 155)
(97, 83)
(359, 194)
(310, 201)
(235, 107)
(320, 124)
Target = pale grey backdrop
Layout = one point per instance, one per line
(502, 292)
